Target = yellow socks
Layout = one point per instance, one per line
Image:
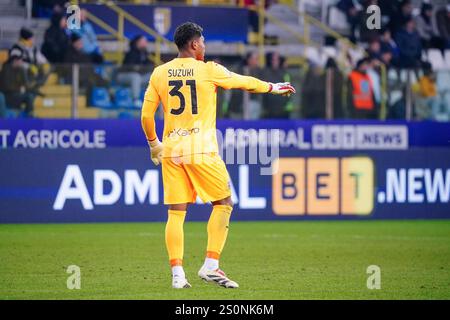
(217, 236)
(218, 230)
(175, 237)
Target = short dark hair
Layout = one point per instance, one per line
(26, 33)
(74, 37)
(135, 40)
(185, 33)
(361, 62)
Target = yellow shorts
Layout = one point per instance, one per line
(201, 174)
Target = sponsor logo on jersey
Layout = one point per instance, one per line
(180, 132)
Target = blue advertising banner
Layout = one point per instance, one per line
(297, 134)
(121, 184)
(97, 170)
(165, 18)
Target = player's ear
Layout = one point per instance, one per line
(194, 44)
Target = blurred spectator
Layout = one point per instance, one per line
(386, 57)
(87, 34)
(275, 106)
(352, 11)
(409, 44)
(75, 53)
(428, 105)
(15, 85)
(374, 49)
(430, 38)
(361, 94)
(56, 40)
(33, 61)
(88, 78)
(313, 93)
(387, 43)
(136, 67)
(337, 80)
(443, 24)
(401, 16)
(373, 71)
(26, 49)
(242, 99)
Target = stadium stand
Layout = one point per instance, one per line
(308, 33)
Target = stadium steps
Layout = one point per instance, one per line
(59, 105)
(58, 101)
(90, 113)
(11, 25)
(12, 18)
(56, 90)
(11, 8)
(294, 22)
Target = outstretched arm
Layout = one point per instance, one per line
(151, 102)
(226, 79)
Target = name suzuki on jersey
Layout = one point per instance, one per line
(180, 73)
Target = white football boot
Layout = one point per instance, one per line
(217, 276)
(180, 283)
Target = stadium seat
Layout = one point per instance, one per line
(356, 54)
(11, 114)
(436, 59)
(337, 20)
(123, 98)
(395, 96)
(100, 98)
(125, 115)
(327, 53)
(330, 51)
(447, 58)
(325, 8)
(424, 56)
(403, 75)
(392, 75)
(443, 81)
(312, 55)
(413, 77)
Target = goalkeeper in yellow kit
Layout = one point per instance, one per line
(191, 165)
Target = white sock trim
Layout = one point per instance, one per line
(177, 271)
(211, 264)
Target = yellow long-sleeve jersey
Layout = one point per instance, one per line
(187, 90)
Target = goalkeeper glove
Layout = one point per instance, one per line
(281, 88)
(156, 148)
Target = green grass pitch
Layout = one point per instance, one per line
(270, 260)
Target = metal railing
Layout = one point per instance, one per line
(305, 38)
(119, 33)
(302, 37)
(109, 91)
